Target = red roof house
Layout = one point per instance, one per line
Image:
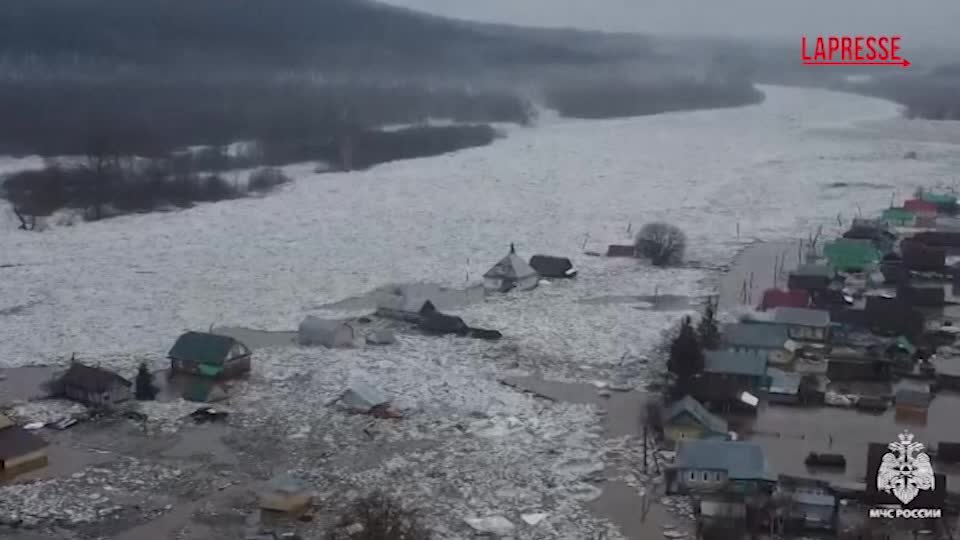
(921, 207)
(774, 298)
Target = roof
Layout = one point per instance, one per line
(548, 266)
(203, 348)
(363, 396)
(814, 270)
(914, 398)
(773, 298)
(760, 336)
(938, 198)
(698, 412)
(92, 379)
(735, 363)
(286, 484)
(741, 460)
(851, 253)
(919, 205)
(16, 441)
(511, 267)
(783, 382)
(802, 316)
(440, 323)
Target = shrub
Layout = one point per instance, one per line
(378, 517)
(266, 179)
(662, 243)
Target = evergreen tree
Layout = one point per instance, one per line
(708, 331)
(145, 390)
(686, 356)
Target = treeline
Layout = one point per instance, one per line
(934, 96)
(150, 117)
(611, 98)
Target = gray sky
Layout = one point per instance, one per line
(925, 23)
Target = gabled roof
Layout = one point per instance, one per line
(510, 267)
(813, 270)
(758, 336)
(203, 348)
(741, 460)
(92, 379)
(698, 412)
(734, 363)
(802, 317)
(16, 441)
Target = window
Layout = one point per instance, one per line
(705, 476)
(692, 476)
(716, 476)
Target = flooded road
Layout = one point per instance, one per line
(758, 267)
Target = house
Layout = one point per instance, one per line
(748, 370)
(767, 340)
(711, 466)
(920, 207)
(784, 387)
(893, 317)
(881, 238)
(858, 368)
(285, 494)
(810, 277)
(893, 269)
(912, 405)
(774, 298)
(510, 273)
(944, 202)
(209, 355)
(410, 301)
(922, 295)
(851, 255)
(945, 239)
(804, 324)
(808, 504)
(688, 419)
(95, 385)
(553, 267)
(20, 450)
(898, 217)
(919, 257)
(440, 324)
(325, 332)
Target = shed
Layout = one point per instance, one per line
(326, 332)
(285, 494)
(734, 363)
(20, 451)
(552, 267)
(851, 255)
(209, 355)
(95, 385)
(810, 277)
(774, 298)
(363, 397)
(511, 272)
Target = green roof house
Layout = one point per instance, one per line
(851, 255)
(898, 217)
(209, 355)
(687, 419)
(943, 201)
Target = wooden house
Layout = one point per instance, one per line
(770, 341)
(94, 385)
(20, 450)
(712, 466)
(804, 324)
(912, 406)
(687, 419)
(209, 355)
(784, 387)
(747, 370)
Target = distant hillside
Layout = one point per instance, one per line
(279, 34)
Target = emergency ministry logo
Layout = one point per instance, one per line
(905, 470)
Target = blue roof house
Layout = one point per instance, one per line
(688, 419)
(712, 466)
(768, 340)
(748, 370)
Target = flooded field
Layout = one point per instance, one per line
(23, 384)
(658, 302)
(758, 267)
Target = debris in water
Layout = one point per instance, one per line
(533, 519)
(493, 525)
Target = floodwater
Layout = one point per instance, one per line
(659, 302)
(258, 339)
(24, 383)
(444, 298)
(618, 502)
(788, 434)
(758, 267)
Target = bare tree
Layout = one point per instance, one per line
(28, 222)
(378, 517)
(662, 243)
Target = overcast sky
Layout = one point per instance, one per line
(924, 22)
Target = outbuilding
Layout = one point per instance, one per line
(553, 267)
(94, 385)
(209, 355)
(511, 272)
(314, 331)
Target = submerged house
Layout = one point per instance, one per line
(747, 370)
(324, 332)
(511, 272)
(209, 355)
(711, 466)
(95, 385)
(20, 450)
(810, 277)
(881, 238)
(765, 340)
(804, 324)
(898, 217)
(851, 255)
(553, 267)
(922, 295)
(687, 419)
(439, 324)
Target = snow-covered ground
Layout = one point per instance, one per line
(121, 290)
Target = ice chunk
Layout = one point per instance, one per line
(533, 519)
(492, 524)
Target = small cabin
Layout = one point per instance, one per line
(94, 385)
(209, 355)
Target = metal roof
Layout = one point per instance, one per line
(699, 413)
(734, 363)
(741, 460)
(802, 316)
(758, 336)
